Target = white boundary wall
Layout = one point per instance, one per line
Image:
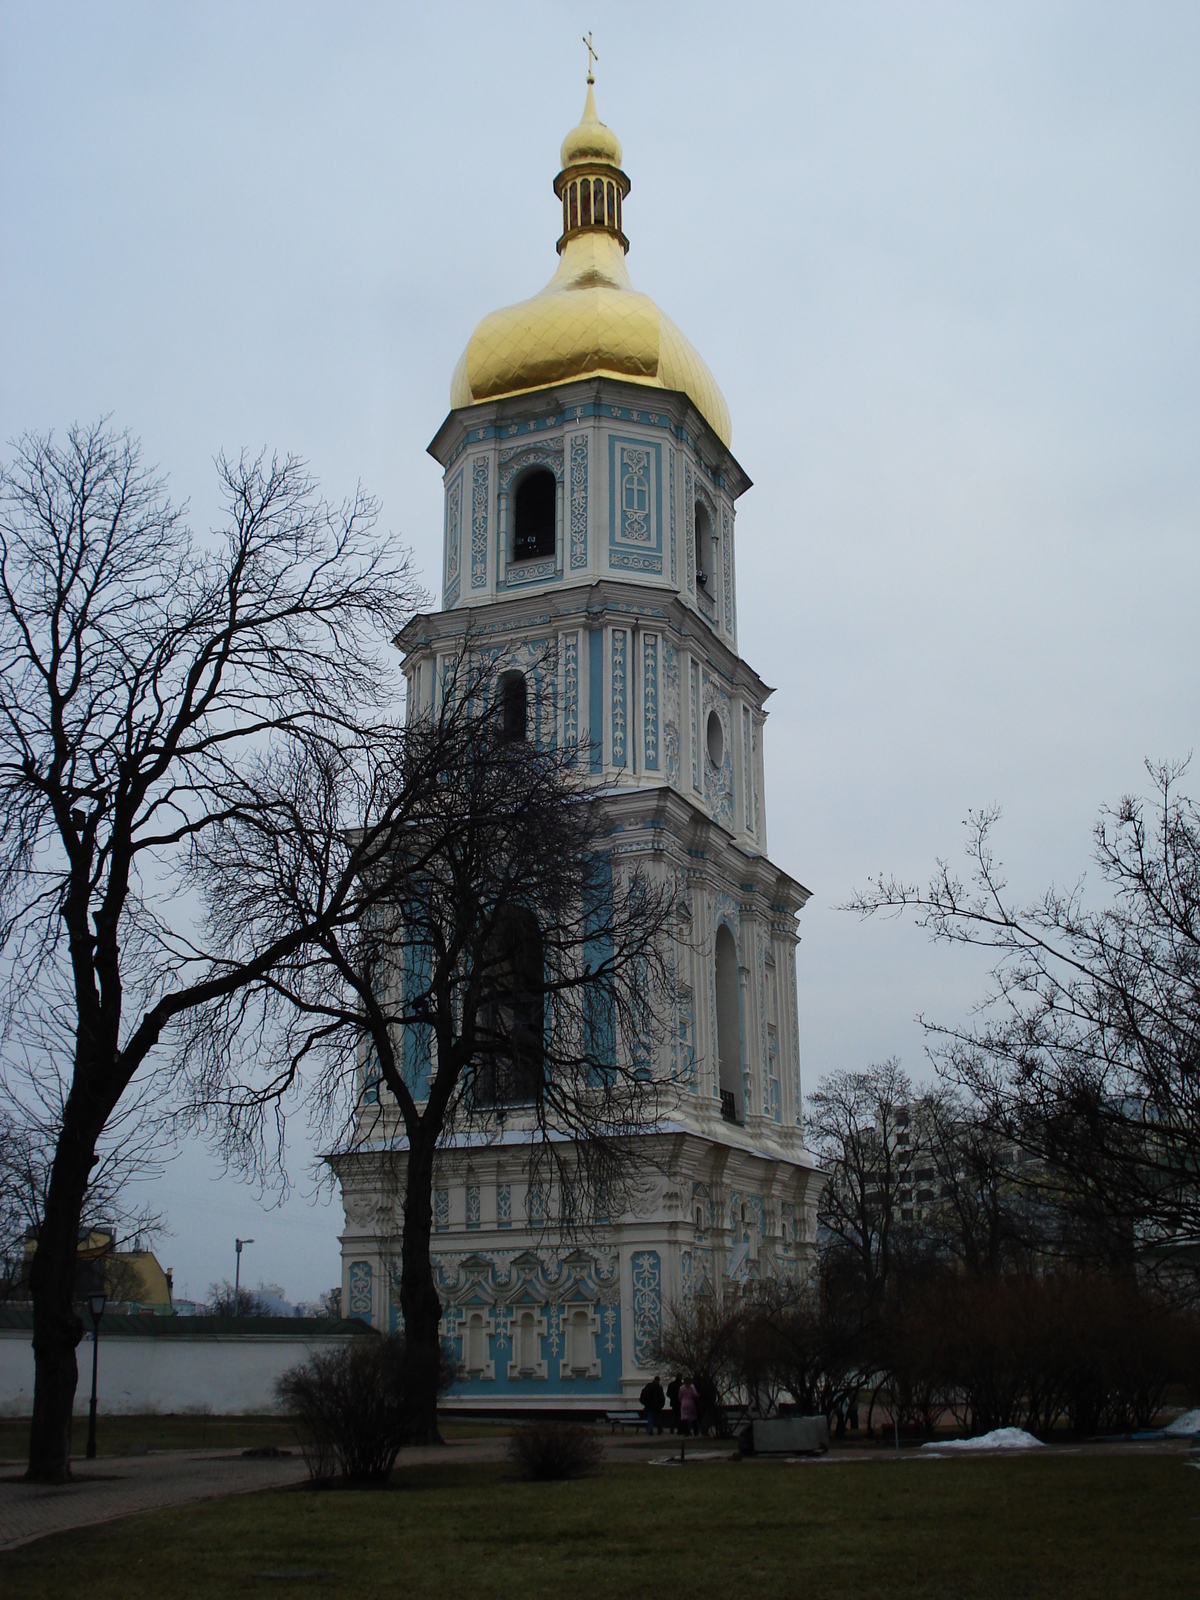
(225, 1375)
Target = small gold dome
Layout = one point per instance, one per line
(591, 140)
(588, 321)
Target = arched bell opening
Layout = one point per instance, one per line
(704, 552)
(534, 506)
(729, 1032)
(511, 1022)
(514, 708)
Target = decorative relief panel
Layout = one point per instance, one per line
(795, 1063)
(634, 505)
(571, 692)
(650, 700)
(441, 1210)
(727, 569)
(472, 1205)
(694, 714)
(647, 1306)
(670, 711)
(579, 501)
(747, 770)
(619, 696)
(689, 527)
(538, 1317)
(453, 542)
(479, 522)
(687, 1039)
(504, 1205)
(545, 453)
(671, 498)
(764, 1053)
(360, 1289)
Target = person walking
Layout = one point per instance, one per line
(689, 1407)
(673, 1389)
(654, 1402)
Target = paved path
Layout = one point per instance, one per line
(120, 1486)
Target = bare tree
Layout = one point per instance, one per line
(801, 1338)
(228, 1300)
(992, 1208)
(144, 680)
(503, 971)
(1087, 1051)
(869, 1131)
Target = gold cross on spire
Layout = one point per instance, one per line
(592, 56)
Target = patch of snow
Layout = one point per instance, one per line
(1184, 1426)
(998, 1439)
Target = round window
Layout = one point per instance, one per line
(716, 739)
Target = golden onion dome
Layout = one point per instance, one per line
(588, 321)
(591, 140)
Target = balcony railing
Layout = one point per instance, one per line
(728, 1105)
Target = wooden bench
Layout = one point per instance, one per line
(624, 1419)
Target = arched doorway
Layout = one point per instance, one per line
(729, 1030)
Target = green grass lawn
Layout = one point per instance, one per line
(1060, 1526)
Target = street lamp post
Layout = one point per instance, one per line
(96, 1307)
(237, 1271)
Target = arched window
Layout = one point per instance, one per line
(533, 516)
(477, 1344)
(579, 1341)
(705, 557)
(729, 1032)
(527, 1343)
(512, 1017)
(514, 707)
(715, 739)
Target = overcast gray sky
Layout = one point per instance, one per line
(942, 259)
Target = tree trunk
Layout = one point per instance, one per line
(418, 1295)
(57, 1329)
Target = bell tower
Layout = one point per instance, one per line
(589, 535)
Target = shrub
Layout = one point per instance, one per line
(350, 1408)
(555, 1450)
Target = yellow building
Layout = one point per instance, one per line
(129, 1278)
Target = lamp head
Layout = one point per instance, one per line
(96, 1305)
